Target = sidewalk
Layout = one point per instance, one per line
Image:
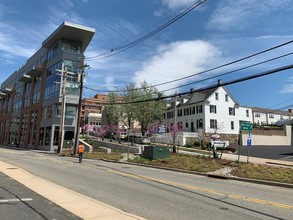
(242, 158)
(76, 203)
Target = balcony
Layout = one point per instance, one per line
(34, 72)
(25, 78)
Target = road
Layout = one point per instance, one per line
(157, 194)
(269, 152)
(19, 202)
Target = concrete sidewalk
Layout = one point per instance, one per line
(242, 158)
(76, 203)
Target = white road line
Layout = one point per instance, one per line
(15, 200)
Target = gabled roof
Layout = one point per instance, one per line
(271, 111)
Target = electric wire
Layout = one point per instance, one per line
(213, 68)
(202, 80)
(250, 77)
(129, 45)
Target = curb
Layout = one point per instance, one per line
(263, 182)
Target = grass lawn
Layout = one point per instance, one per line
(205, 164)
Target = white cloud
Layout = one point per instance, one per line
(237, 14)
(287, 89)
(177, 4)
(177, 60)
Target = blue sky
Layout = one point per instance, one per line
(215, 33)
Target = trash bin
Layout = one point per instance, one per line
(155, 152)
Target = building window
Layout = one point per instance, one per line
(199, 123)
(186, 124)
(193, 110)
(198, 109)
(226, 98)
(271, 116)
(247, 113)
(213, 123)
(217, 96)
(231, 111)
(232, 125)
(213, 109)
(49, 111)
(70, 112)
(186, 111)
(257, 115)
(179, 112)
(281, 117)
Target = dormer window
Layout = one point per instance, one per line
(217, 96)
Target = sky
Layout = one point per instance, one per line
(213, 34)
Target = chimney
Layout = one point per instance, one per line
(219, 82)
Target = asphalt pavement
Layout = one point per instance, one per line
(284, 153)
(19, 202)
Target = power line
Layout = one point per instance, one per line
(131, 44)
(226, 73)
(254, 76)
(218, 67)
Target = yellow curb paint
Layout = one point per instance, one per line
(196, 188)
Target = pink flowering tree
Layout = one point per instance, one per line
(153, 128)
(174, 130)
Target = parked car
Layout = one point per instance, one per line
(139, 139)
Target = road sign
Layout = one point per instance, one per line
(249, 136)
(246, 126)
(248, 142)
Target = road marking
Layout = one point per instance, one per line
(15, 200)
(196, 188)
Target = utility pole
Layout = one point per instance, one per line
(76, 142)
(63, 106)
(175, 121)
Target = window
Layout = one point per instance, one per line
(217, 96)
(170, 115)
(213, 109)
(198, 109)
(199, 124)
(186, 124)
(49, 111)
(232, 125)
(186, 111)
(179, 112)
(247, 113)
(231, 111)
(70, 112)
(271, 116)
(192, 110)
(213, 123)
(226, 98)
(257, 115)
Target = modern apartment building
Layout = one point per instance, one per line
(30, 99)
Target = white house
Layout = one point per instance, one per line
(264, 116)
(216, 110)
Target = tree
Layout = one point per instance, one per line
(149, 111)
(112, 111)
(174, 130)
(130, 94)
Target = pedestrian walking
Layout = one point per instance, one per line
(80, 152)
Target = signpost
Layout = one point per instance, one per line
(246, 126)
(249, 142)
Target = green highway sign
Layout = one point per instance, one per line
(246, 126)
